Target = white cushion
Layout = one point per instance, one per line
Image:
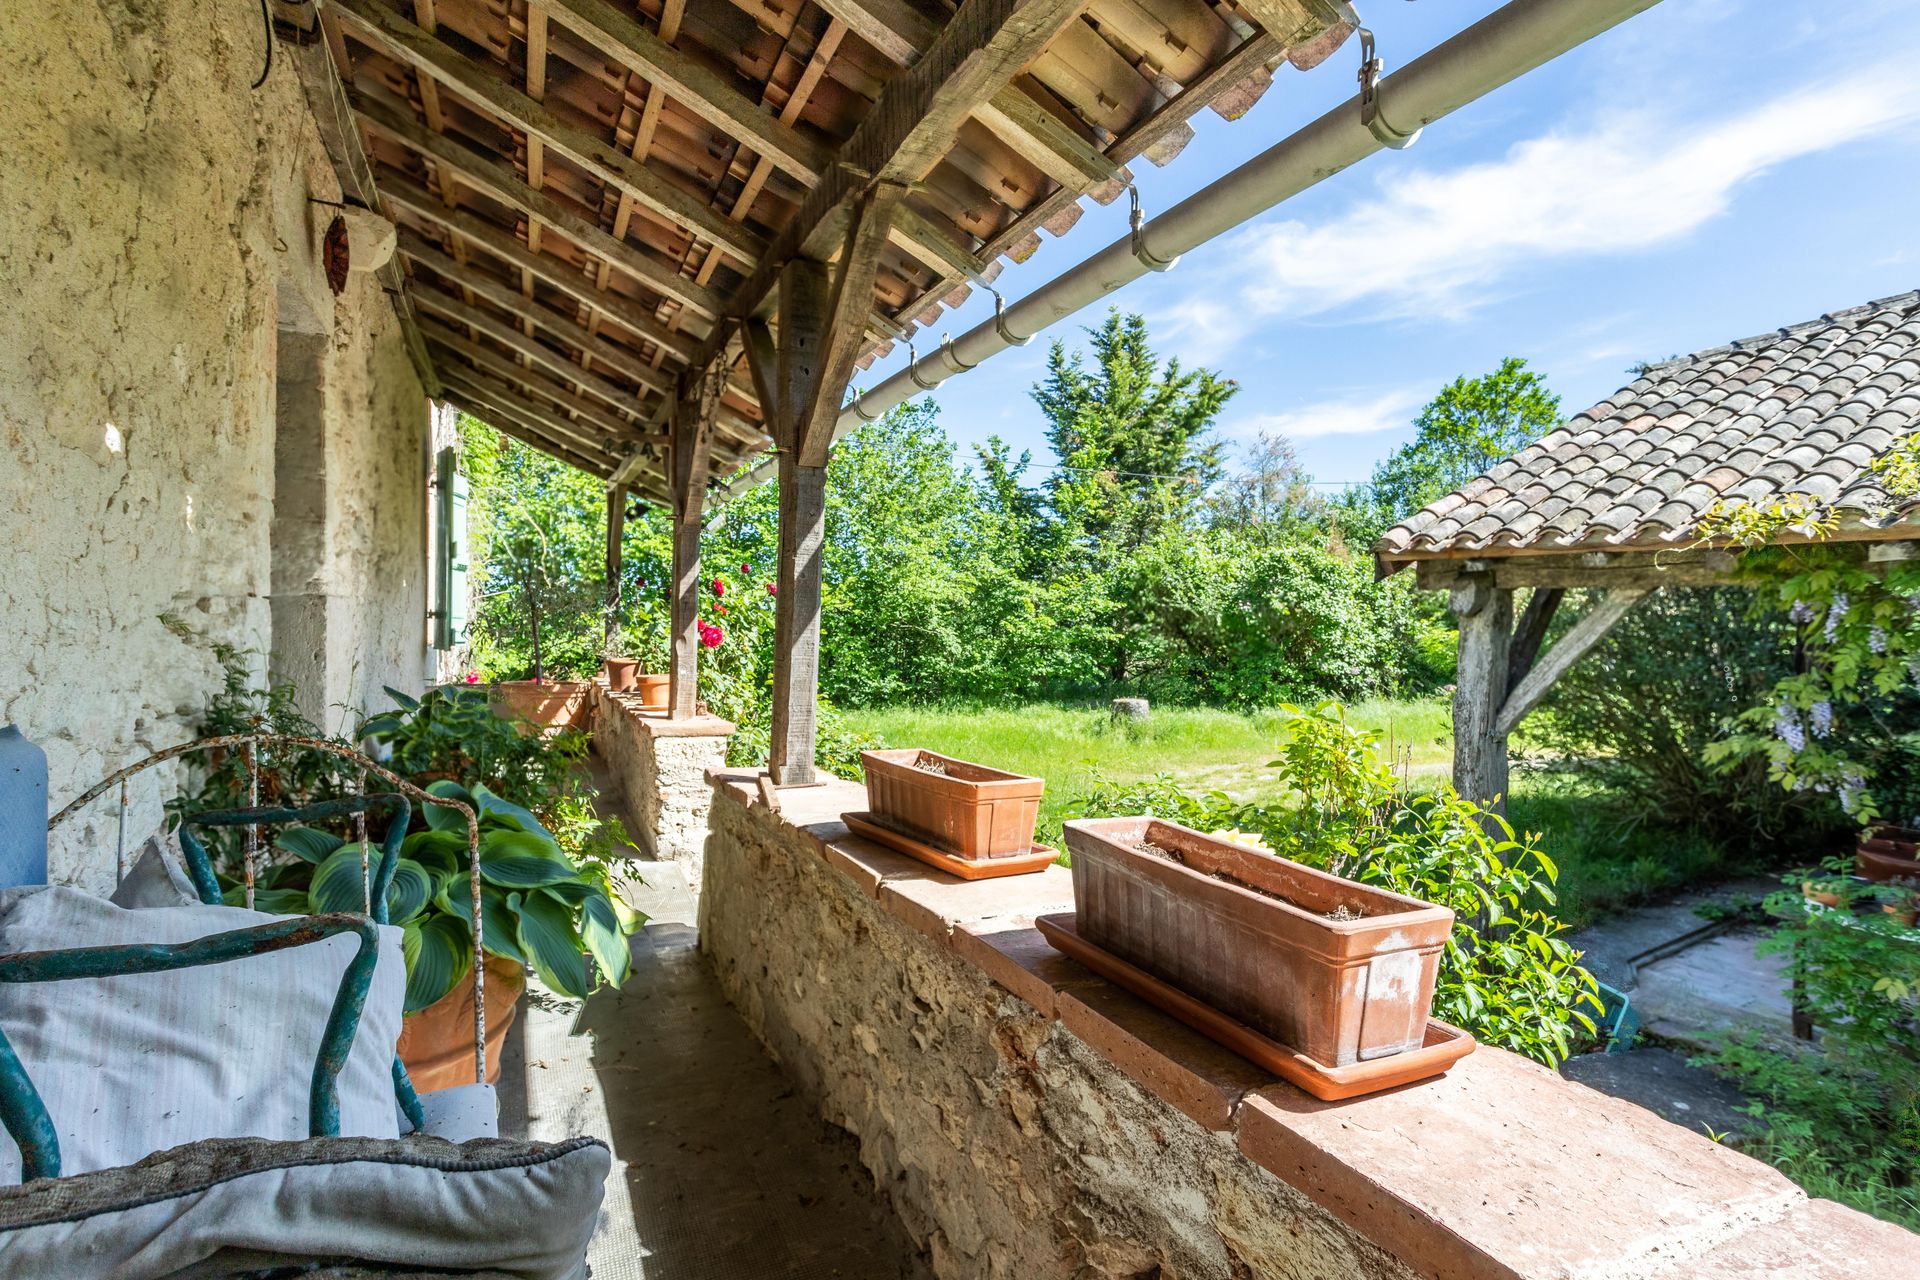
(240, 1207)
(130, 1065)
(462, 1113)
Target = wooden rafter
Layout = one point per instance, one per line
(554, 388)
(500, 182)
(618, 398)
(487, 87)
(594, 463)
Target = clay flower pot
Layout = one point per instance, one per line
(653, 691)
(551, 704)
(1825, 897)
(1888, 853)
(621, 673)
(1907, 916)
(437, 1042)
(1340, 971)
(967, 810)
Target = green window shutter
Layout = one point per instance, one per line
(449, 552)
(457, 596)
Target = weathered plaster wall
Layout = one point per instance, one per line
(158, 231)
(1010, 1148)
(660, 767)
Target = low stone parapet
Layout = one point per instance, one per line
(659, 767)
(1027, 1120)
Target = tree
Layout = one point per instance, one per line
(1271, 494)
(1471, 425)
(1129, 437)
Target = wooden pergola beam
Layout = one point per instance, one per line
(563, 276)
(978, 53)
(586, 435)
(815, 385)
(625, 40)
(500, 182)
(533, 381)
(693, 423)
(1605, 569)
(619, 398)
(509, 299)
(1567, 650)
(593, 464)
(487, 87)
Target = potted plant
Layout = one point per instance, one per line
(620, 670)
(964, 809)
(1339, 971)
(1829, 889)
(1901, 900)
(539, 909)
(646, 640)
(549, 704)
(1888, 853)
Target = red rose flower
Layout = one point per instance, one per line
(719, 586)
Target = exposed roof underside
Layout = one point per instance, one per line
(584, 188)
(1801, 410)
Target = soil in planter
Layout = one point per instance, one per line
(1340, 912)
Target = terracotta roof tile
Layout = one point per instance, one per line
(1803, 409)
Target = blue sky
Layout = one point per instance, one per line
(1709, 170)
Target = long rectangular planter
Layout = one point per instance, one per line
(1339, 990)
(961, 808)
(550, 704)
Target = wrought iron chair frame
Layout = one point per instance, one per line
(22, 1112)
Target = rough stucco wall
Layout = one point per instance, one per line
(157, 226)
(1011, 1150)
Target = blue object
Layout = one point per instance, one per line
(23, 811)
(1619, 1021)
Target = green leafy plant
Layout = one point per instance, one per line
(538, 906)
(1506, 973)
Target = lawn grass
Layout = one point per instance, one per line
(1205, 749)
(1609, 858)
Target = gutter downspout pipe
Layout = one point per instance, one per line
(1500, 48)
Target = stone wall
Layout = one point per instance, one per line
(1026, 1119)
(159, 237)
(660, 767)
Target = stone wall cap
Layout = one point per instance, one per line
(1502, 1168)
(662, 725)
(1818, 1240)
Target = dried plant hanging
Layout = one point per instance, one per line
(335, 253)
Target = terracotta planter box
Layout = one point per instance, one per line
(551, 704)
(1888, 853)
(437, 1042)
(1340, 991)
(653, 691)
(967, 810)
(621, 673)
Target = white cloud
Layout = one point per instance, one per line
(1352, 416)
(1431, 243)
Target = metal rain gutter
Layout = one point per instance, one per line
(1498, 49)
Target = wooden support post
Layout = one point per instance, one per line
(822, 324)
(1525, 694)
(1485, 614)
(616, 530)
(796, 657)
(692, 436)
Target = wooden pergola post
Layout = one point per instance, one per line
(1485, 616)
(822, 325)
(691, 444)
(616, 530)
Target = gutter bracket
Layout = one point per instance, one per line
(1370, 69)
(1137, 223)
(913, 370)
(1000, 319)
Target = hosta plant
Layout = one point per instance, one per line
(538, 906)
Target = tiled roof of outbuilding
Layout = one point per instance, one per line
(1800, 410)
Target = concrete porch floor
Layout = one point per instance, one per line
(721, 1171)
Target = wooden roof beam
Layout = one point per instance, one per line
(509, 299)
(620, 398)
(979, 52)
(624, 39)
(491, 178)
(554, 382)
(592, 463)
(491, 391)
(563, 276)
(487, 87)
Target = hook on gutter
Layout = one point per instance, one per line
(913, 369)
(860, 408)
(1370, 68)
(1137, 221)
(953, 357)
(1007, 335)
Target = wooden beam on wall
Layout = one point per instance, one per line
(1567, 650)
(567, 451)
(620, 398)
(1604, 569)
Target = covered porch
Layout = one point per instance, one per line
(261, 265)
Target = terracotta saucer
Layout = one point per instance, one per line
(1039, 858)
(1445, 1045)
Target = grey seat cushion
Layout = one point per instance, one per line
(231, 1207)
